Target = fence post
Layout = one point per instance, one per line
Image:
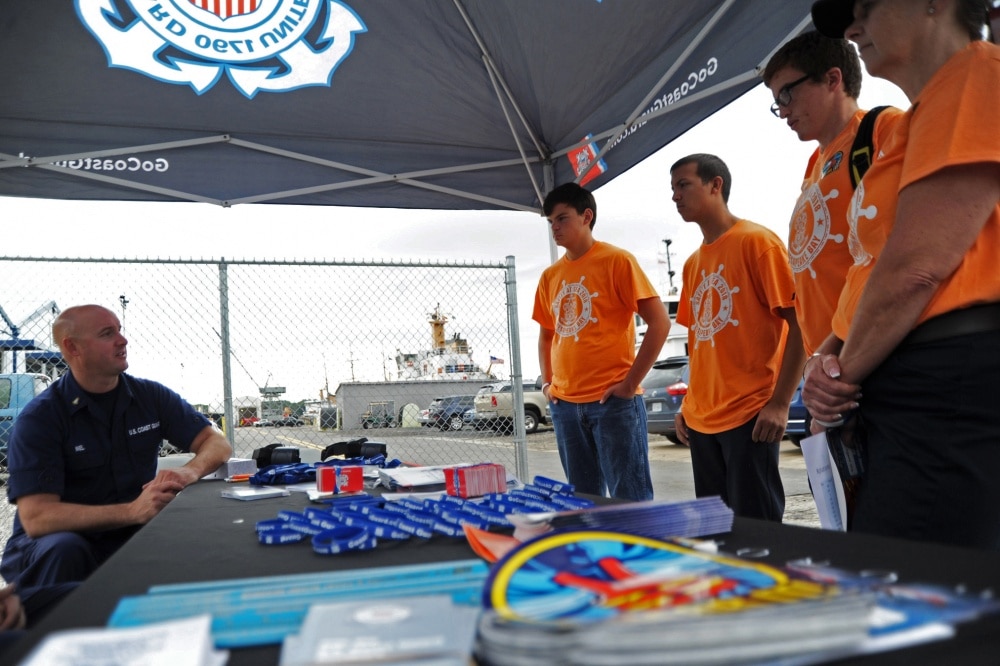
(517, 390)
(227, 371)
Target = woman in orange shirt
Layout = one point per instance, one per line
(916, 335)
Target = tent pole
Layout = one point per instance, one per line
(513, 132)
(491, 67)
(548, 178)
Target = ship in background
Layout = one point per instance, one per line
(447, 359)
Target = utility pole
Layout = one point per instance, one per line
(670, 271)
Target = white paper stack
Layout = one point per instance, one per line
(186, 642)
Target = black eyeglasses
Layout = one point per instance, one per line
(784, 97)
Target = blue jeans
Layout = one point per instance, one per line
(604, 449)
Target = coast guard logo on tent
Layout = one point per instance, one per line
(268, 45)
(226, 8)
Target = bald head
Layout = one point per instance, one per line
(72, 321)
(91, 341)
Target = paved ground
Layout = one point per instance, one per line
(670, 466)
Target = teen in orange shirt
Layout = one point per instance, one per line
(816, 81)
(919, 316)
(744, 345)
(585, 304)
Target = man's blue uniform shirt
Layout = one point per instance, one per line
(62, 443)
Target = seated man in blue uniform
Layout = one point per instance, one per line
(83, 456)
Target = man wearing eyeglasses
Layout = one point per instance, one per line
(815, 81)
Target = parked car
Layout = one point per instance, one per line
(495, 406)
(664, 388)
(469, 417)
(263, 423)
(446, 412)
(287, 421)
(16, 391)
(666, 384)
(797, 427)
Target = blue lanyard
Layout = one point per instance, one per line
(343, 539)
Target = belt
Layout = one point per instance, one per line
(976, 319)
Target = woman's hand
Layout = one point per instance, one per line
(824, 395)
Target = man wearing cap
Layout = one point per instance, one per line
(83, 456)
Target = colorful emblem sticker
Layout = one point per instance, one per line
(590, 576)
(268, 45)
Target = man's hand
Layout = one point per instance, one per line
(771, 422)
(183, 475)
(682, 430)
(155, 495)
(619, 390)
(11, 611)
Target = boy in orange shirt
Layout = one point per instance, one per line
(586, 304)
(816, 81)
(745, 345)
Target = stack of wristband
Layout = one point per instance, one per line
(356, 523)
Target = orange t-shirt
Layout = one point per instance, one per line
(817, 233)
(591, 304)
(733, 290)
(948, 124)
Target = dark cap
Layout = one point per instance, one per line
(831, 17)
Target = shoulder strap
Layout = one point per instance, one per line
(861, 149)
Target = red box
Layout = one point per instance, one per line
(335, 479)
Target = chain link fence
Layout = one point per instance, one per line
(302, 354)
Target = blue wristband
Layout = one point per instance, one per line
(343, 539)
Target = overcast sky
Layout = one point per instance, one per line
(634, 212)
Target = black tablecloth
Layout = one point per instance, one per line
(201, 536)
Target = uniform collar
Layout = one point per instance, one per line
(76, 398)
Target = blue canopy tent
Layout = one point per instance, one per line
(440, 104)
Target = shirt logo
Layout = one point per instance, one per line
(810, 229)
(573, 309)
(79, 448)
(710, 318)
(861, 256)
(258, 44)
(833, 163)
(132, 432)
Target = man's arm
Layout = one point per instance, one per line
(11, 610)
(773, 417)
(657, 326)
(46, 513)
(210, 449)
(545, 336)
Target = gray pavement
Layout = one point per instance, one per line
(670, 467)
